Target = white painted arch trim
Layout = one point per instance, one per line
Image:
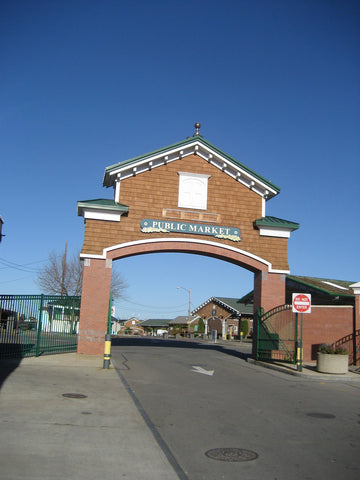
(183, 240)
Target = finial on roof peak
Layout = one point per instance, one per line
(197, 127)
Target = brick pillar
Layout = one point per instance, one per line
(94, 308)
(269, 292)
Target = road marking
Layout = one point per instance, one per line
(202, 370)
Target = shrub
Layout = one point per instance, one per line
(244, 327)
(201, 326)
(330, 349)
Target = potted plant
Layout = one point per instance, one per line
(332, 359)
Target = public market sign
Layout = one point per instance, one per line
(301, 302)
(163, 226)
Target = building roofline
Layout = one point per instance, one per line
(192, 145)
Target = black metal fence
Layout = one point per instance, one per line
(34, 325)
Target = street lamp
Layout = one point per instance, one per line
(189, 310)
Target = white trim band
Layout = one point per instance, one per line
(182, 240)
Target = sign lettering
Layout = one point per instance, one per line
(301, 302)
(162, 226)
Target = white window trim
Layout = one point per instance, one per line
(181, 202)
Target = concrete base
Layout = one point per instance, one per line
(334, 364)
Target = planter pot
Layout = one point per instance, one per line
(332, 363)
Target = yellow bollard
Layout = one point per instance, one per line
(299, 357)
(107, 352)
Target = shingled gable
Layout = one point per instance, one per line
(195, 145)
(233, 305)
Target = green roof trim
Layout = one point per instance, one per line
(156, 322)
(276, 222)
(236, 304)
(327, 286)
(188, 141)
(182, 320)
(102, 204)
(338, 288)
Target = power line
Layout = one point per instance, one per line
(18, 266)
(155, 307)
(16, 279)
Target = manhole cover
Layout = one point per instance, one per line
(74, 395)
(321, 415)
(231, 454)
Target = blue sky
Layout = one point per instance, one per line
(87, 83)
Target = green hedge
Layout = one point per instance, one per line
(201, 326)
(244, 327)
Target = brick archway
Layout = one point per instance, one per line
(269, 285)
(214, 323)
(189, 197)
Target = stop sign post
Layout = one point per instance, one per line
(301, 302)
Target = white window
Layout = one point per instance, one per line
(193, 190)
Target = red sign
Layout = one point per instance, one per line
(301, 302)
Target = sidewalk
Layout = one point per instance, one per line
(309, 372)
(45, 434)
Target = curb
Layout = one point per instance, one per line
(312, 376)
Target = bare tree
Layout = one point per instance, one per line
(118, 285)
(63, 276)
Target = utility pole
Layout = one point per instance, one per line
(189, 312)
(189, 309)
(1, 224)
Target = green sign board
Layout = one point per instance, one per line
(165, 226)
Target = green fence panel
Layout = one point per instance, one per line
(277, 335)
(33, 325)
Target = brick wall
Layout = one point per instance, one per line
(325, 324)
(215, 324)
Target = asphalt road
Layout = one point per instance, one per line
(199, 398)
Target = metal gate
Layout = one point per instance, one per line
(351, 343)
(34, 325)
(278, 335)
